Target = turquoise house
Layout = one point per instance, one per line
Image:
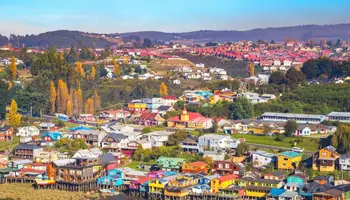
(50, 138)
(299, 179)
(113, 177)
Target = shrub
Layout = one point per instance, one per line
(146, 130)
(280, 138)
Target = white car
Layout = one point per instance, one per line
(298, 149)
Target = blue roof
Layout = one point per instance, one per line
(276, 192)
(290, 154)
(80, 128)
(54, 135)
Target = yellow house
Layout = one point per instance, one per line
(259, 188)
(260, 128)
(158, 185)
(179, 187)
(136, 106)
(324, 160)
(190, 120)
(288, 160)
(222, 182)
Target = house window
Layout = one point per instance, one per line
(227, 166)
(324, 154)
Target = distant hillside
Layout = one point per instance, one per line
(61, 39)
(341, 31)
(64, 38)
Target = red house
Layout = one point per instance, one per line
(226, 167)
(149, 119)
(195, 167)
(6, 133)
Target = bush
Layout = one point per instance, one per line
(280, 138)
(146, 130)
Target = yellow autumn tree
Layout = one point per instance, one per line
(93, 73)
(79, 68)
(251, 69)
(116, 69)
(89, 106)
(97, 100)
(74, 101)
(79, 101)
(163, 90)
(69, 110)
(53, 96)
(13, 68)
(62, 96)
(10, 86)
(13, 117)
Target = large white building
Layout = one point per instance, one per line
(28, 131)
(299, 118)
(215, 142)
(339, 116)
(262, 158)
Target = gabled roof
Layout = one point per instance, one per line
(116, 136)
(148, 116)
(228, 177)
(107, 158)
(192, 116)
(198, 164)
(28, 146)
(53, 135)
(290, 154)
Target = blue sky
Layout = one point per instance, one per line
(111, 16)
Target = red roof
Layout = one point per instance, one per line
(228, 177)
(40, 164)
(24, 170)
(198, 164)
(148, 116)
(192, 117)
(143, 180)
(170, 97)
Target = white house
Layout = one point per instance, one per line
(287, 63)
(262, 158)
(344, 163)
(125, 77)
(26, 131)
(176, 82)
(223, 77)
(193, 76)
(277, 62)
(273, 68)
(88, 153)
(216, 142)
(201, 65)
(186, 69)
(157, 138)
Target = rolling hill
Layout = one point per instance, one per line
(65, 38)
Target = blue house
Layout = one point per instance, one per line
(113, 177)
(80, 128)
(298, 178)
(50, 138)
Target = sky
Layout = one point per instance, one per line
(117, 16)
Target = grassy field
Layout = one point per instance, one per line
(9, 144)
(309, 144)
(27, 192)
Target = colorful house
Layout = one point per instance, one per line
(222, 182)
(325, 159)
(195, 167)
(113, 177)
(150, 119)
(140, 184)
(226, 167)
(170, 164)
(298, 178)
(157, 185)
(6, 133)
(180, 187)
(50, 138)
(137, 106)
(288, 160)
(259, 188)
(232, 191)
(190, 120)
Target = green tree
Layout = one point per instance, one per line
(242, 148)
(4, 98)
(179, 105)
(310, 69)
(341, 139)
(240, 109)
(147, 43)
(278, 78)
(85, 53)
(294, 77)
(72, 55)
(146, 130)
(176, 138)
(290, 127)
(102, 71)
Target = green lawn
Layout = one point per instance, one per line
(133, 165)
(309, 144)
(9, 144)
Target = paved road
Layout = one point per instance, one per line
(276, 148)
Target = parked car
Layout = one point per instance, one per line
(298, 149)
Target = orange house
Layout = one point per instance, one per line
(195, 167)
(6, 133)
